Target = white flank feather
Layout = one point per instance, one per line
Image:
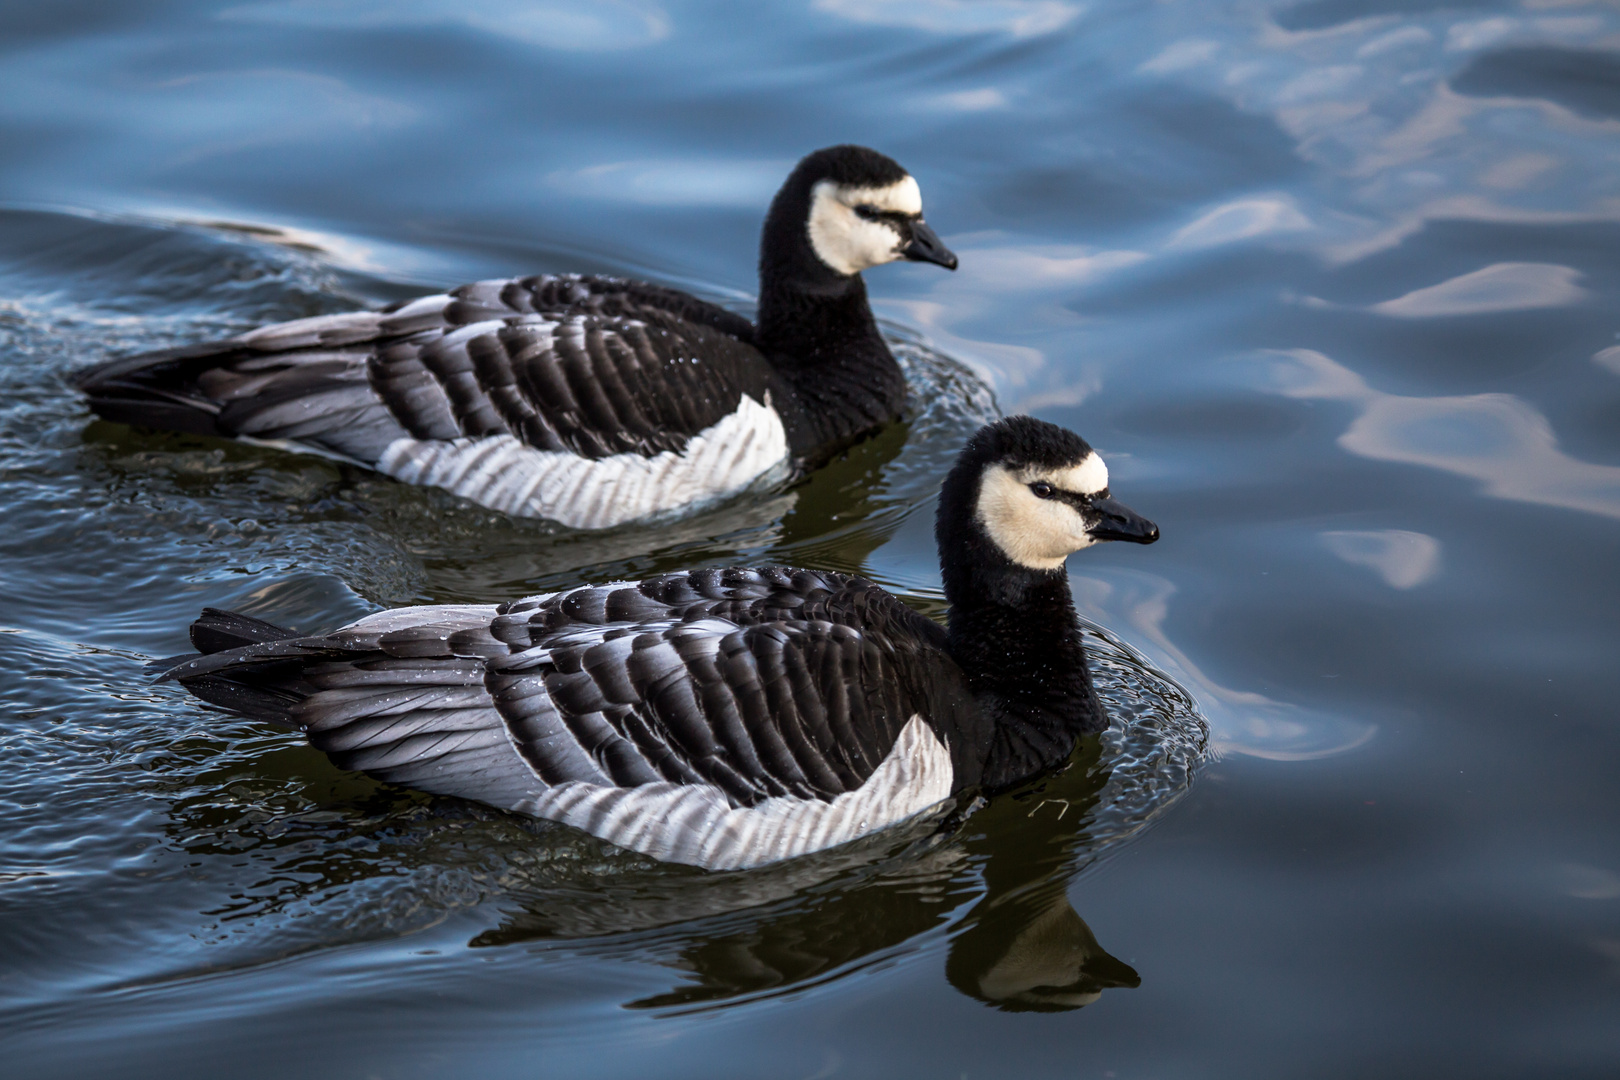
(504, 474)
(694, 824)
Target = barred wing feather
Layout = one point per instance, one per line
(564, 385)
(720, 718)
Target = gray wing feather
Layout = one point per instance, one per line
(721, 718)
(592, 366)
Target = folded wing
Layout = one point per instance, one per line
(720, 718)
(617, 382)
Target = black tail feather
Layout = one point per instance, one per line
(155, 411)
(217, 630)
(264, 688)
(157, 389)
(261, 692)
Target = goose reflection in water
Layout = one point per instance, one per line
(1032, 952)
(738, 937)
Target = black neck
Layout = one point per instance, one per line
(827, 347)
(816, 328)
(1014, 633)
(1026, 666)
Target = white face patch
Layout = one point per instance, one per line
(848, 242)
(1086, 478)
(1034, 532)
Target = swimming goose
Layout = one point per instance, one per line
(723, 718)
(586, 400)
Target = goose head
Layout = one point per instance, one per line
(1028, 493)
(842, 210)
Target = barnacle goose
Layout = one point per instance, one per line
(723, 718)
(586, 400)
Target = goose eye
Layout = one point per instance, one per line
(867, 211)
(1043, 490)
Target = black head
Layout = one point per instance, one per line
(1024, 495)
(850, 165)
(842, 210)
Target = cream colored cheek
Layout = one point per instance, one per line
(846, 241)
(1034, 532)
(872, 243)
(1057, 530)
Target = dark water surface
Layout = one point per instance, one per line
(1333, 286)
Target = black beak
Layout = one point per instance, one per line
(1119, 522)
(925, 247)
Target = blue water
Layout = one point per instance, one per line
(1332, 285)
